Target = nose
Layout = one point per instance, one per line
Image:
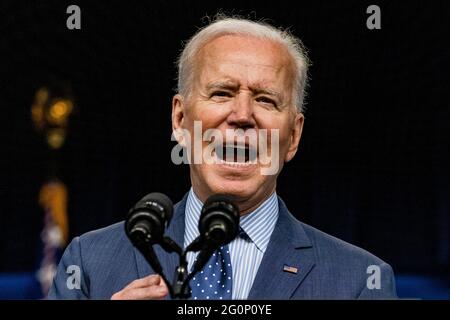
(242, 112)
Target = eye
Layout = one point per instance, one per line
(266, 100)
(221, 94)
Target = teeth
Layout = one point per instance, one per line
(234, 164)
(232, 154)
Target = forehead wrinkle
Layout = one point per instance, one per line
(210, 50)
(256, 86)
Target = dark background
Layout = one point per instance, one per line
(373, 166)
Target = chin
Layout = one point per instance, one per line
(241, 189)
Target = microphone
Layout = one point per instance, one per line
(145, 224)
(218, 226)
(147, 220)
(219, 220)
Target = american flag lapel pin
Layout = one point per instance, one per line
(290, 269)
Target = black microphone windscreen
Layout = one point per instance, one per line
(219, 218)
(162, 200)
(147, 220)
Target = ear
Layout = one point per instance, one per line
(178, 108)
(296, 134)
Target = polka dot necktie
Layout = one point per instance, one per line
(214, 282)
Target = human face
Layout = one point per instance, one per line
(240, 83)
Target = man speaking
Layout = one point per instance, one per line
(238, 114)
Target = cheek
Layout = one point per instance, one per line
(280, 124)
(210, 115)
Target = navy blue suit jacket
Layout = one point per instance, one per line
(327, 268)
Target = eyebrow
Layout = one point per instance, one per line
(234, 86)
(226, 85)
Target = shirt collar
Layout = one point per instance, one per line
(258, 224)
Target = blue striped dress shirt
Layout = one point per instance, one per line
(246, 252)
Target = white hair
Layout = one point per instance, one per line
(243, 27)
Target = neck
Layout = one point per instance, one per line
(245, 205)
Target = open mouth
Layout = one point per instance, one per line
(234, 154)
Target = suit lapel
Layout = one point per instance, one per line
(168, 261)
(289, 246)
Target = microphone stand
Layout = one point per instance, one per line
(180, 288)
